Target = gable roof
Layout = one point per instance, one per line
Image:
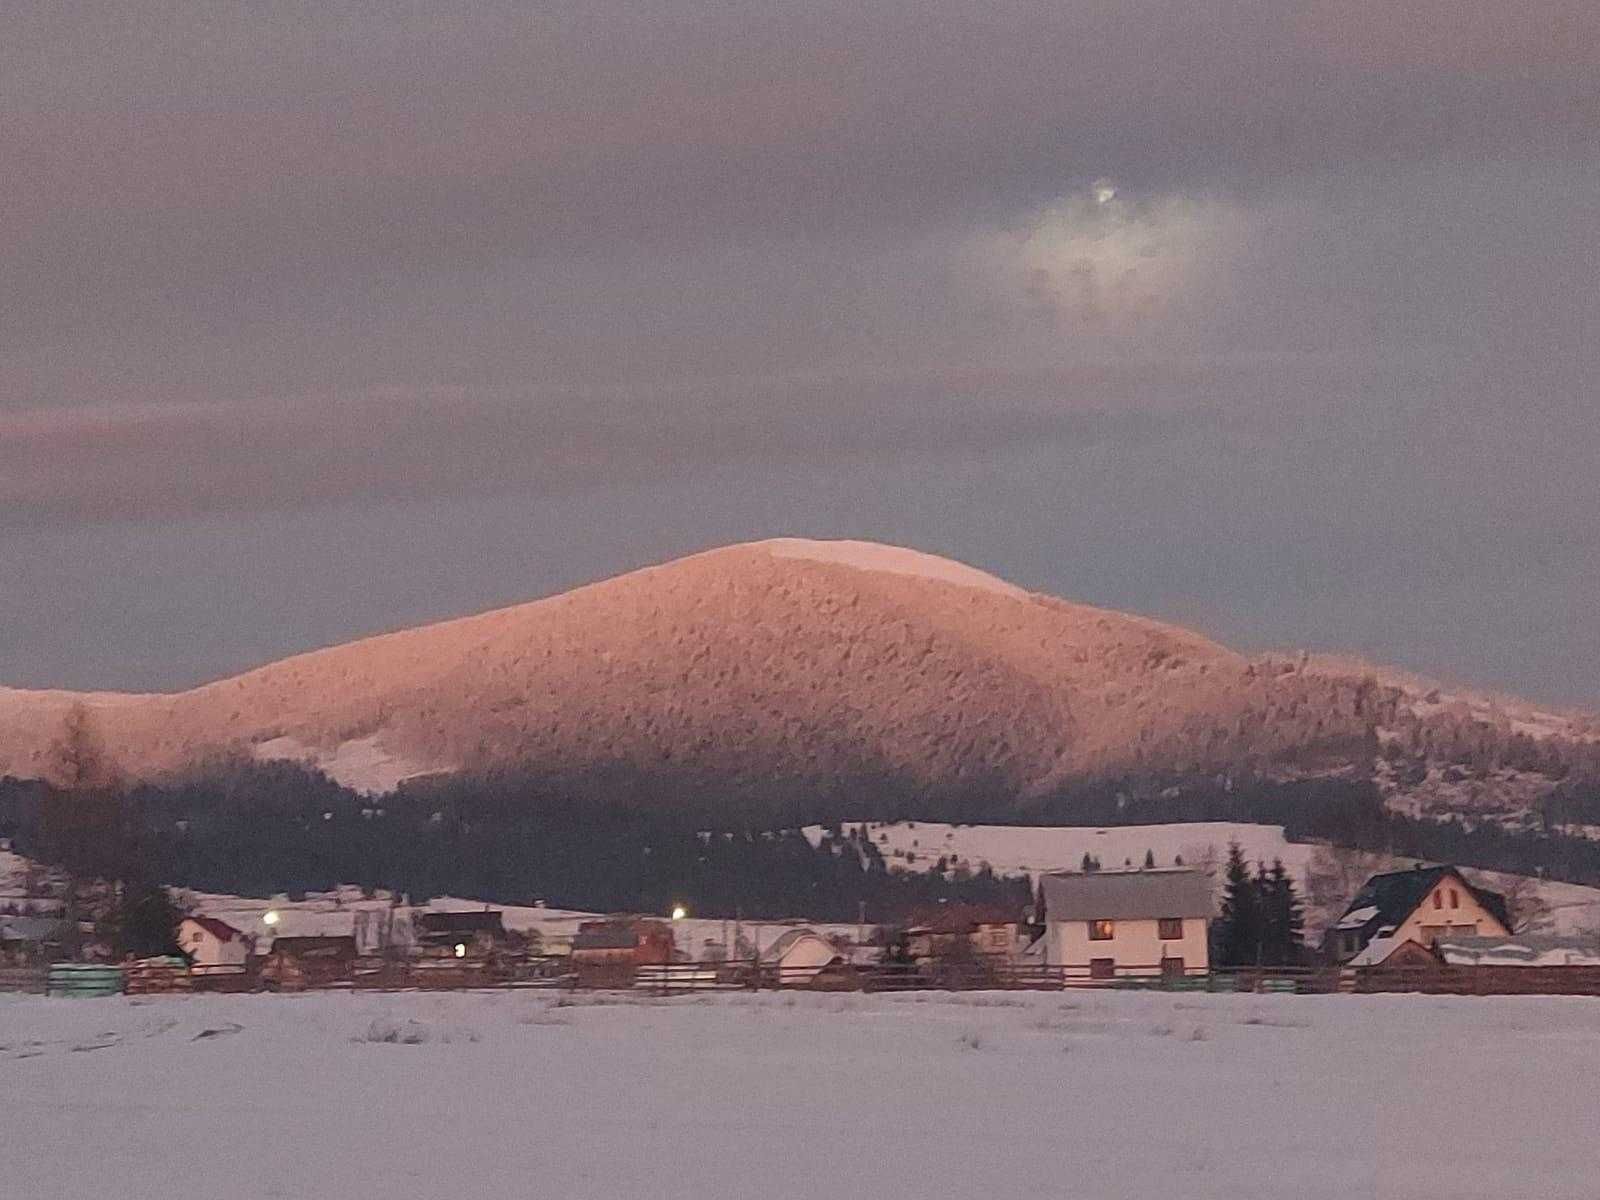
(789, 938)
(1386, 900)
(220, 930)
(1127, 895)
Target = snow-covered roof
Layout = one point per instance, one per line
(789, 939)
(1376, 951)
(1527, 950)
(1357, 917)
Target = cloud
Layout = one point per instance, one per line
(132, 463)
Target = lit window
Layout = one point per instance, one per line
(1170, 929)
(1102, 931)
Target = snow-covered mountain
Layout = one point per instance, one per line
(817, 663)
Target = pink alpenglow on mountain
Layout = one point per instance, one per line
(799, 660)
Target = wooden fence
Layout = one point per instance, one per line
(371, 974)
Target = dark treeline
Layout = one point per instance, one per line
(258, 829)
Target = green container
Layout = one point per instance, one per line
(84, 979)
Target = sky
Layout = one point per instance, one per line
(1279, 318)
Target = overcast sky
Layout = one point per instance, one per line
(1276, 317)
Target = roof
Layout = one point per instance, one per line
(1378, 950)
(960, 918)
(787, 940)
(481, 921)
(606, 935)
(220, 930)
(312, 945)
(1388, 899)
(33, 929)
(1127, 895)
(1529, 950)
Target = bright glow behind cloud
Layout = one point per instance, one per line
(1097, 261)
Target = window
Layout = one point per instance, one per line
(1455, 898)
(1438, 899)
(1170, 929)
(1171, 968)
(1102, 931)
(1432, 933)
(1102, 968)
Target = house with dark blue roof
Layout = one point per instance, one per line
(1423, 905)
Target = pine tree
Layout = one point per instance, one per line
(1239, 928)
(1283, 919)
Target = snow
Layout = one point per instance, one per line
(361, 764)
(895, 560)
(418, 1096)
(1376, 951)
(1029, 849)
(1356, 918)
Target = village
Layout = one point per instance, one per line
(1427, 928)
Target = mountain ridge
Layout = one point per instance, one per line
(812, 662)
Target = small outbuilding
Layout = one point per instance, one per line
(301, 962)
(213, 945)
(802, 958)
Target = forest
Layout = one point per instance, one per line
(265, 828)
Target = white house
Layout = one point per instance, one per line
(212, 944)
(1102, 924)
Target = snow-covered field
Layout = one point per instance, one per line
(1029, 849)
(512, 1095)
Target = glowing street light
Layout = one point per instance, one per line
(271, 918)
(679, 912)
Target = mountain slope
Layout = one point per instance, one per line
(809, 662)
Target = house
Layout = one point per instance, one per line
(213, 945)
(961, 930)
(802, 958)
(609, 953)
(460, 934)
(300, 962)
(1102, 924)
(28, 940)
(1423, 905)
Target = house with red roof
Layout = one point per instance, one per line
(213, 945)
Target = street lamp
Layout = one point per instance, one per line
(271, 918)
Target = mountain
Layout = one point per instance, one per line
(811, 665)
